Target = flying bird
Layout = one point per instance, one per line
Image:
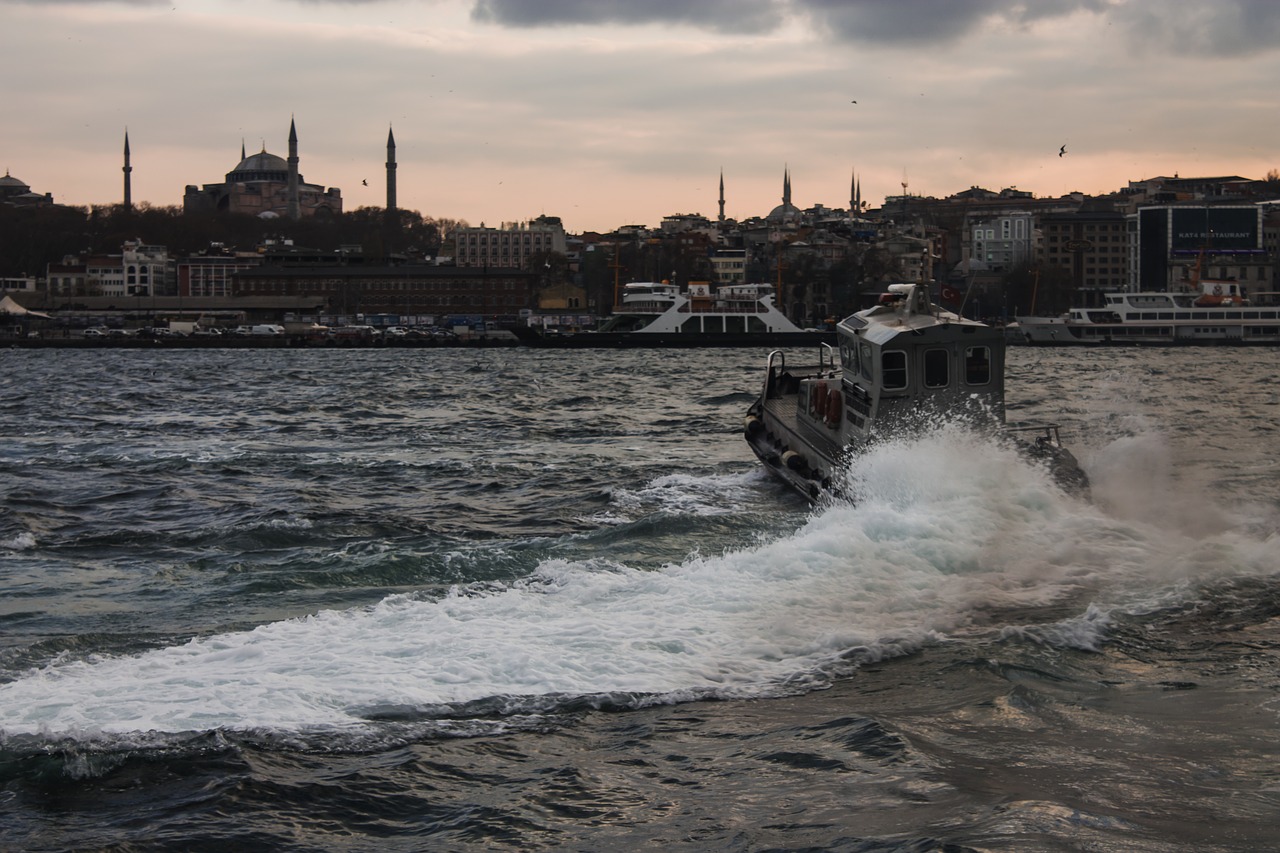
(853, 102)
(1062, 150)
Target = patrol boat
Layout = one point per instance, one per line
(899, 366)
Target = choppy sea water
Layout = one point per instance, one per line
(506, 599)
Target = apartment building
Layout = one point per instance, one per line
(509, 246)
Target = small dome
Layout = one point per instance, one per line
(784, 212)
(11, 183)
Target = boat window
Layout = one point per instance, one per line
(977, 365)
(849, 355)
(864, 360)
(936, 372)
(894, 370)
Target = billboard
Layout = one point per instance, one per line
(1214, 229)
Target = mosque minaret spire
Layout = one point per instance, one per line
(391, 171)
(128, 175)
(722, 195)
(295, 208)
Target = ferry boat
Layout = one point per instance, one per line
(1214, 312)
(899, 365)
(660, 314)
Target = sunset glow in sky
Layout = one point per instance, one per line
(613, 112)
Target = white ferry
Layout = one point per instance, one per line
(1216, 312)
(660, 314)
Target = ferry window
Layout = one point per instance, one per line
(936, 363)
(977, 365)
(864, 359)
(894, 370)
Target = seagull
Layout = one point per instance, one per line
(364, 181)
(1062, 150)
(853, 102)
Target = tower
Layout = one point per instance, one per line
(128, 172)
(722, 195)
(294, 206)
(391, 172)
(786, 187)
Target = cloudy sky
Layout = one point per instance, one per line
(612, 112)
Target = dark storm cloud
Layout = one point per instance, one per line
(1192, 26)
(735, 16)
(852, 20)
(86, 2)
(908, 21)
(1223, 28)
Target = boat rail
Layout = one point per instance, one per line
(776, 368)
(721, 309)
(1050, 432)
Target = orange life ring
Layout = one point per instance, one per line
(818, 400)
(834, 408)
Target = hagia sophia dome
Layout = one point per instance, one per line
(260, 167)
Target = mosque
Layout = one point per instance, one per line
(16, 193)
(265, 185)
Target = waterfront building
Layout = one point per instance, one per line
(729, 266)
(509, 246)
(68, 278)
(1002, 241)
(1174, 243)
(1092, 246)
(213, 272)
(18, 284)
(410, 289)
(146, 269)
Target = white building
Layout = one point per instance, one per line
(510, 246)
(1002, 241)
(145, 269)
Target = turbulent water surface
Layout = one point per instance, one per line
(505, 599)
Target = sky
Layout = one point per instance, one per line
(621, 112)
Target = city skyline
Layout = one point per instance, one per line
(611, 113)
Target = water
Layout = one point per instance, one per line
(506, 599)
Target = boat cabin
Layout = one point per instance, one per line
(905, 359)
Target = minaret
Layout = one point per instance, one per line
(295, 208)
(722, 195)
(786, 186)
(128, 172)
(858, 195)
(391, 172)
(242, 154)
(853, 193)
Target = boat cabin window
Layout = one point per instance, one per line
(937, 368)
(849, 355)
(977, 365)
(864, 359)
(893, 370)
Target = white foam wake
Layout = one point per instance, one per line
(946, 527)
